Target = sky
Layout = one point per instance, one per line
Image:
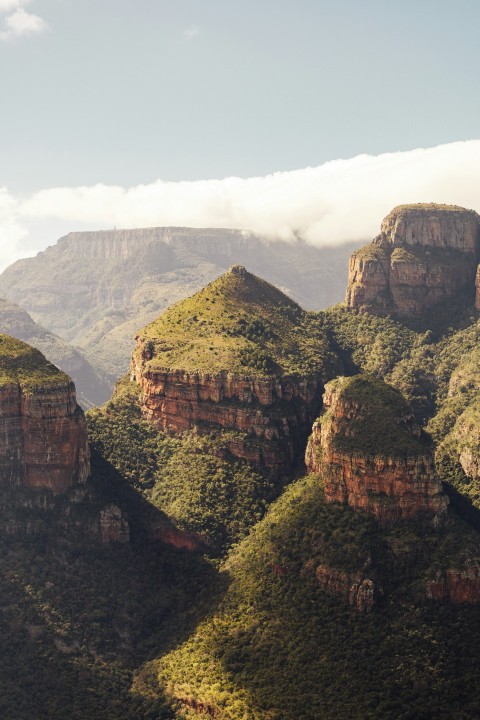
(270, 114)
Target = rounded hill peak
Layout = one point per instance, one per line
(24, 365)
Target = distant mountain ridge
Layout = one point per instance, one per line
(96, 289)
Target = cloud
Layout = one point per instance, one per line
(20, 23)
(9, 5)
(191, 32)
(330, 204)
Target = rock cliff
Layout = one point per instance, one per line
(424, 255)
(371, 455)
(237, 356)
(456, 585)
(358, 590)
(43, 432)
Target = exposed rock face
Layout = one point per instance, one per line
(359, 591)
(424, 255)
(274, 412)
(477, 289)
(113, 525)
(458, 586)
(371, 455)
(43, 435)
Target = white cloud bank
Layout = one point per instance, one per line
(330, 204)
(19, 23)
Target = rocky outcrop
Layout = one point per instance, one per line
(371, 455)
(273, 413)
(359, 591)
(114, 525)
(477, 289)
(43, 435)
(456, 585)
(424, 255)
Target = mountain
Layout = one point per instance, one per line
(92, 386)
(239, 355)
(424, 255)
(279, 515)
(223, 390)
(96, 289)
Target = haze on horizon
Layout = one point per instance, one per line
(233, 114)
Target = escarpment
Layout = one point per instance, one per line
(424, 255)
(237, 356)
(371, 454)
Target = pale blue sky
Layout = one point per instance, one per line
(128, 91)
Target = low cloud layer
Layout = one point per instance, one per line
(15, 21)
(336, 202)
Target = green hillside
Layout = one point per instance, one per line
(239, 324)
(25, 366)
(279, 647)
(187, 477)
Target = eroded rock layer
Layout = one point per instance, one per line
(424, 255)
(371, 455)
(43, 436)
(274, 413)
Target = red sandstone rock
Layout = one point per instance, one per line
(458, 586)
(387, 485)
(274, 412)
(43, 437)
(425, 254)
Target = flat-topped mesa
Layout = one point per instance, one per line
(240, 356)
(371, 454)
(43, 435)
(424, 255)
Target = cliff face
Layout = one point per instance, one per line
(275, 413)
(43, 436)
(371, 455)
(424, 255)
(455, 585)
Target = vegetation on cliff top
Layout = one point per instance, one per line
(416, 208)
(23, 365)
(373, 418)
(239, 324)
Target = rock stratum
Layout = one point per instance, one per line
(423, 256)
(43, 431)
(371, 455)
(237, 356)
